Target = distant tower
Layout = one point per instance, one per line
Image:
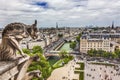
(112, 24)
(56, 28)
(56, 25)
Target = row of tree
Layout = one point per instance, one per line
(102, 53)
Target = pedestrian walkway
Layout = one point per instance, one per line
(65, 73)
(101, 72)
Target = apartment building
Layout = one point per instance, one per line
(88, 42)
(113, 36)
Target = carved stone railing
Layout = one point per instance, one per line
(14, 70)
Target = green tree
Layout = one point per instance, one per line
(73, 44)
(27, 51)
(100, 52)
(94, 52)
(90, 52)
(117, 52)
(60, 35)
(108, 54)
(78, 37)
(43, 63)
(70, 57)
(63, 54)
(42, 57)
(37, 49)
(114, 55)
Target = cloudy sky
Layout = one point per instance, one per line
(74, 13)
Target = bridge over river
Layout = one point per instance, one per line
(55, 53)
(62, 46)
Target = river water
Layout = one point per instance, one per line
(65, 47)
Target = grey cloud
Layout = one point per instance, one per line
(66, 12)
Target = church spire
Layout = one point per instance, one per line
(112, 24)
(56, 25)
(56, 28)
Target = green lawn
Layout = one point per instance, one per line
(78, 70)
(58, 64)
(81, 66)
(106, 64)
(81, 76)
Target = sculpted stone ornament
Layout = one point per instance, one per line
(11, 36)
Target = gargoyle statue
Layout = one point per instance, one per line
(12, 34)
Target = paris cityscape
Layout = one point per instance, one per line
(60, 40)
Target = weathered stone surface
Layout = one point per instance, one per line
(6, 65)
(9, 74)
(31, 74)
(12, 34)
(11, 69)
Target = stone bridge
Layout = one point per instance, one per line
(55, 53)
(48, 55)
(72, 38)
